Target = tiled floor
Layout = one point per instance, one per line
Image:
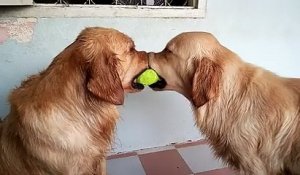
(193, 158)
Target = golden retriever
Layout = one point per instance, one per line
(250, 116)
(62, 120)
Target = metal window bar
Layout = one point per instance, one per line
(123, 2)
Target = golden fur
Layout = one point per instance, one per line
(250, 116)
(62, 121)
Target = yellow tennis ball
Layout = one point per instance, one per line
(148, 77)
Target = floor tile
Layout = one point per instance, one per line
(223, 171)
(167, 162)
(125, 166)
(200, 158)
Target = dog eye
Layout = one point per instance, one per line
(167, 50)
(131, 49)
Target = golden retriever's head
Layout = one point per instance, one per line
(191, 65)
(111, 63)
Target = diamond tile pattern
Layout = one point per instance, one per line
(194, 158)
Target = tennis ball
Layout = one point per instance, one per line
(148, 77)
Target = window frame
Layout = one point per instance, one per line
(15, 2)
(198, 10)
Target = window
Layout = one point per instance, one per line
(119, 2)
(104, 8)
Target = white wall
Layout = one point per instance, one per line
(266, 33)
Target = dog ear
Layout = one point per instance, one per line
(103, 79)
(206, 81)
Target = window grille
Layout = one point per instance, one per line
(119, 2)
